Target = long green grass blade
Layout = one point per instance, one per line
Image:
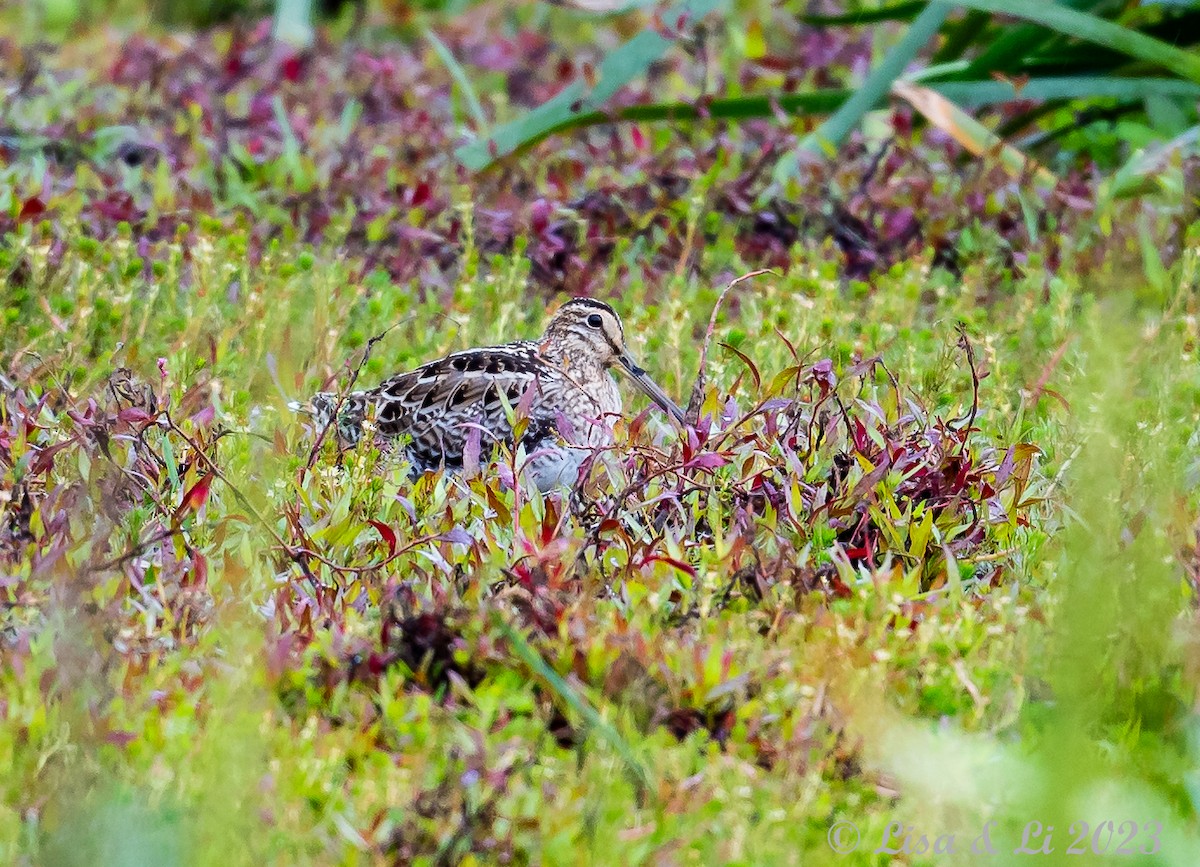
(1016, 43)
(816, 102)
(572, 699)
(973, 94)
(619, 68)
(960, 36)
(880, 80)
(1137, 174)
(896, 12)
(460, 78)
(977, 93)
(293, 22)
(577, 106)
(1092, 29)
(834, 130)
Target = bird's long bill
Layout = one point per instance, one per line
(650, 387)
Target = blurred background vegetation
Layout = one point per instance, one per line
(229, 220)
(1127, 69)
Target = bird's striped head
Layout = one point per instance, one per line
(585, 332)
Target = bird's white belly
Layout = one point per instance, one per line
(556, 468)
(556, 463)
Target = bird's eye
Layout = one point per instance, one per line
(594, 321)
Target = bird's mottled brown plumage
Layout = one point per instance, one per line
(564, 376)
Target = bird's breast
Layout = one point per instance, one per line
(589, 403)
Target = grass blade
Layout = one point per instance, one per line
(572, 699)
(460, 78)
(820, 102)
(618, 69)
(896, 12)
(834, 130)
(1016, 43)
(877, 84)
(970, 133)
(1092, 29)
(957, 38)
(980, 93)
(293, 22)
(817, 102)
(1137, 174)
(577, 106)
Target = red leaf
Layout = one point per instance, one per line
(686, 568)
(204, 418)
(707, 461)
(472, 450)
(540, 219)
(292, 67)
(199, 570)
(45, 457)
(134, 415)
(388, 534)
(196, 497)
(822, 374)
(33, 207)
(120, 739)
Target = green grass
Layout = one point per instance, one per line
(211, 654)
(190, 718)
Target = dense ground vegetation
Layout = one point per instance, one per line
(925, 552)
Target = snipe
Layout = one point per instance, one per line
(434, 408)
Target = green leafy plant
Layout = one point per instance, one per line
(1038, 50)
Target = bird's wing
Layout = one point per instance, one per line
(438, 403)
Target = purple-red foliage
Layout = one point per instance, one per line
(228, 103)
